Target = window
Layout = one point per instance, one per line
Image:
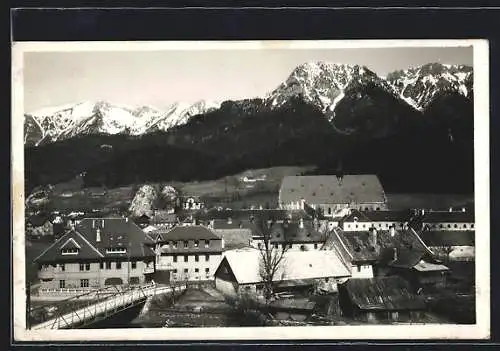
(63, 267)
(175, 271)
(174, 258)
(207, 258)
(196, 258)
(290, 246)
(259, 245)
(315, 246)
(82, 266)
(456, 226)
(87, 266)
(465, 225)
(101, 265)
(116, 250)
(196, 243)
(186, 244)
(359, 268)
(207, 243)
(186, 258)
(134, 264)
(207, 270)
(329, 210)
(174, 244)
(62, 284)
(276, 246)
(472, 226)
(449, 226)
(118, 265)
(108, 265)
(440, 226)
(186, 270)
(196, 270)
(356, 226)
(84, 283)
(72, 251)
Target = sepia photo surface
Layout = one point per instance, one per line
(268, 190)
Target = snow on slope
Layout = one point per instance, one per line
(62, 122)
(420, 85)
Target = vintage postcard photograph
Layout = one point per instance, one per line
(250, 190)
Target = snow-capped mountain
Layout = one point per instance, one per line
(67, 121)
(420, 85)
(324, 84)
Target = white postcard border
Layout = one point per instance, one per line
(480, 330)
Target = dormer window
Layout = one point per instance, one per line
(70, 251)
(116, 250)
(196, 243)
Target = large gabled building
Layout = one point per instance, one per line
(95, 253)
(332, 194)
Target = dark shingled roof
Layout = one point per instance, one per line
(327, 189)
(235, 238)
(114, 233)
(447, 216)
(390, 293)
(407, 258)
(189, 232)
(448, 238)
(246, 214)
(361, 248)
(388, 216)
(292, 233)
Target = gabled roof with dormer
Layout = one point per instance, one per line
(71, 240)
(101, 238)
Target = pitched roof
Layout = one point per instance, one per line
(245, 264)
(361, 247)
(407, 259)
(327, 189)
(53, 252)
(114, 233)
(235, 238)
(448, 238)
(424, 266)
(447, 216)
(383, 294)
(189, 232)
(292, 232)
(388, 216)
(246, 214)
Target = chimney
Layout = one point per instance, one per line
(126, 219)
(301, 223)
(395, 254)
(102, 223)
(93, 223)
(302, 203)
(422, 212)
(463, 209)
(392, 231)
(451, 209)
(212, 223)
(374, 236)
(98, 235)
(229, 220)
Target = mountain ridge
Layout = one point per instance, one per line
(322, 84)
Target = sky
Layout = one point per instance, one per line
(160, 78)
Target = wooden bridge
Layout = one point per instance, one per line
(93, 306)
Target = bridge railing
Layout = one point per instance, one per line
(81, 309)
(86, 301)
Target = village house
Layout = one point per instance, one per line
(97, 253)
(419, 269)
(450, 245)
(188, 252)
(164, 219)
(331, 194)
(239, 271)
(303, 236)
(369, 252)
(444, 220)
(363, 220)
(380, 299)
(192, 202)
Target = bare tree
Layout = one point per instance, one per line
(272, 258)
